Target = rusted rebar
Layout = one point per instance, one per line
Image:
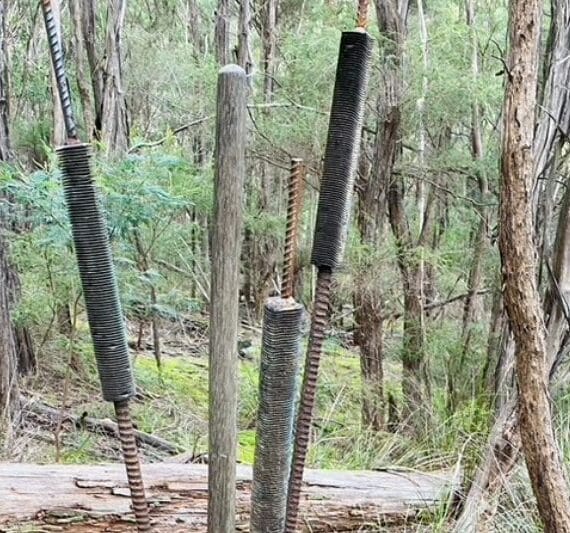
(294, 213)
(319, 322)
(131, 458)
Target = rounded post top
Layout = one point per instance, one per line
(232, 69)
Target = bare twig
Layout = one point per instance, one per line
(175, 131)
(436, 305)
(268, 105)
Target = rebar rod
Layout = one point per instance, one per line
(319, 322)
(58, 61)
(132, 463)
(294, 212)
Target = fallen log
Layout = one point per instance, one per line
(100, 425)
(95, 498)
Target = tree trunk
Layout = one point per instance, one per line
(26, 355)
(194, 29)
(368, 297)
(21, 337)
(223, 32)
(392, 20)
(553, 122)
(457, 377)
(487, 385)
(261, 246)
(415, 375)
(372, 195)
(81, 64)
(521, 295)
(415, 386)
(244, 57)
(269, 44)
(89, 31)
(9, 393)
(115, 124)
(91, 498)
(5, 145)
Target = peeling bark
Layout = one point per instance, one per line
(553, 117)
(521, 295)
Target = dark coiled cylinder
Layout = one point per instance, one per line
(342, 149)
(97, 273)
(274, 441)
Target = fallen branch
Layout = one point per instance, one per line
(175, 131)
(436, 305)
(269, 105)
(100, 425)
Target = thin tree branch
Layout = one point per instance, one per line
(176, 131)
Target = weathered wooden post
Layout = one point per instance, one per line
(226, 248)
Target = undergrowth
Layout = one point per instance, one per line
(174, 404)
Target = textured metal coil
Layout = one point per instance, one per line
(132, 464)
(319, 322)
(58, 61)
(280, 358)
(97, 273)
(342, 149)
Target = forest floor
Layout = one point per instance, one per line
(172, 403)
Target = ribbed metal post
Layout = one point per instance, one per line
(280, 357)
(278, 377)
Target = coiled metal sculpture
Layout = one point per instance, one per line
(278, 382)
(97, 275)
(331, 230)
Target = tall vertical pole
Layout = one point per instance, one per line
(226, 250)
